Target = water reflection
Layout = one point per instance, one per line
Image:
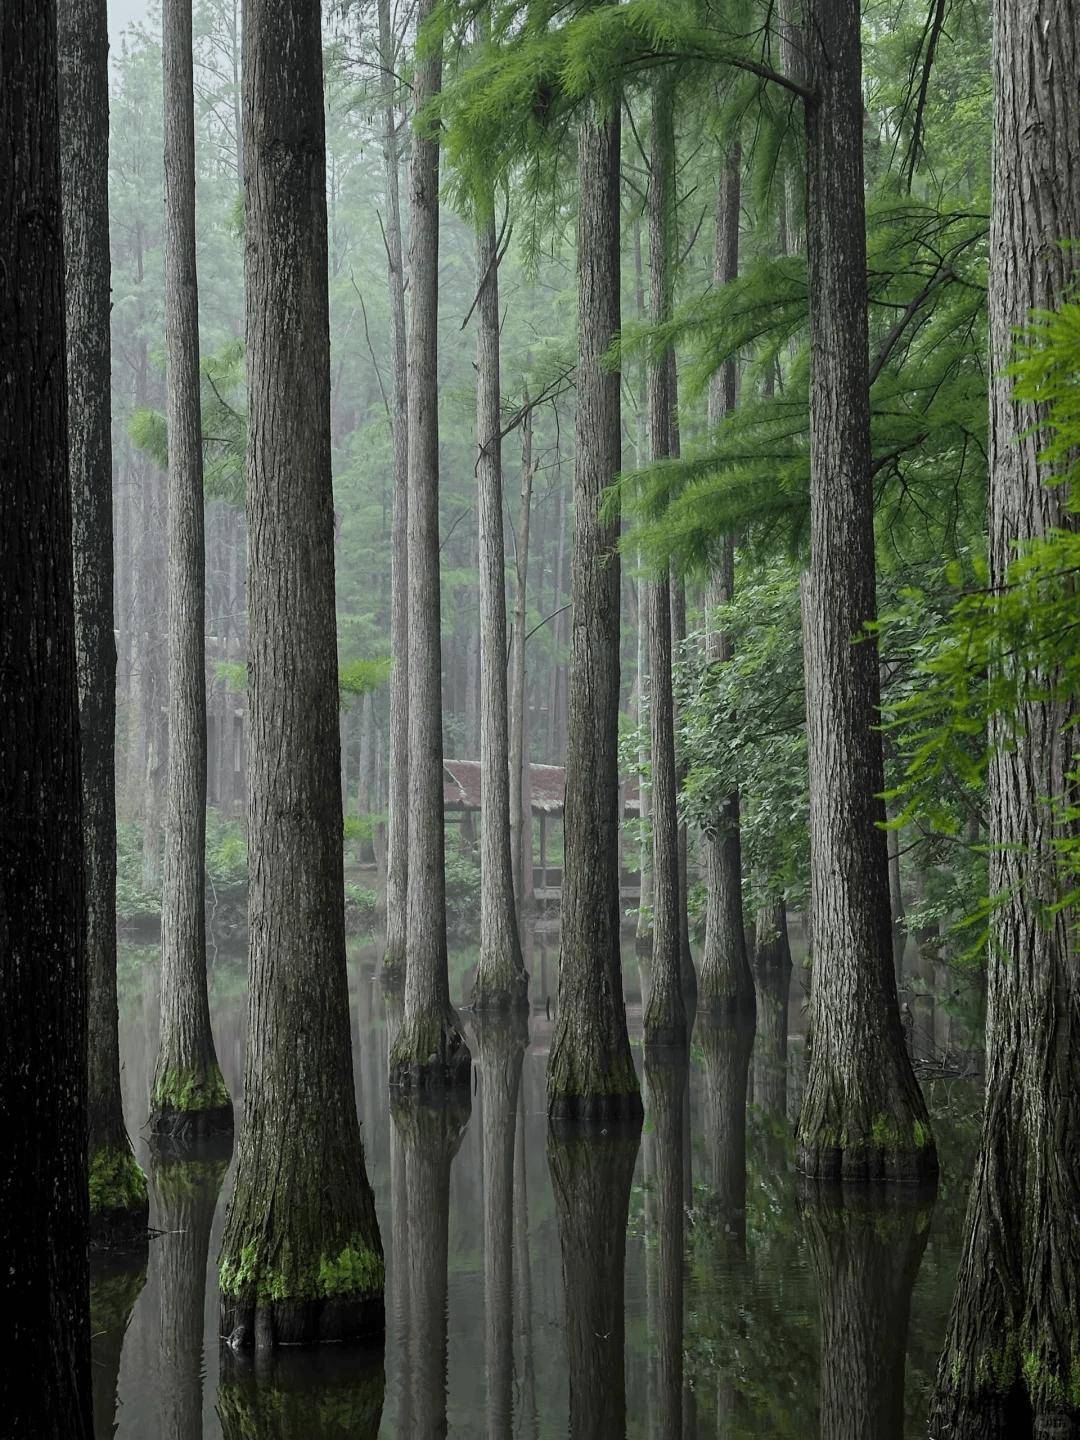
(332, 1392)
(866, 1248)
(591, 1174)
(551, 1285)
(115, 1283)
(430, 1133)
(185, 1189)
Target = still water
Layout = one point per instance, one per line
(679, 1283)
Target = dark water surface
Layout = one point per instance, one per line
(677, 1284)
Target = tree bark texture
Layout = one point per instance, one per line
(725, 982)
(501, 1046)
(301, 1255)
(501, 982)
(429, 1050)
(520, 817)
(430, 1132)
(189, 1098)
(591, 1072)
(772, 982)
(865, 1255)
(1010, 1365)
(863, 1115)
(186, 1193)
(727, 1044)
(118, 1203)
(43, 1065)
(591, 1177)
(665, 1014)
(397, 868)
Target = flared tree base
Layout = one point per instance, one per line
(119, 1200)
(889, 1146)
(430, 1055)
(172, 1125)
(725, 1001)
(501, 987)
(121, 1228)
(570, 1113)
(266, 1323)
(392, 969)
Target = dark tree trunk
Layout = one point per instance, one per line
(430, 1136)
(501, 982)
(189, 1098)
(116, 1281)
(528, 1414)
(118, 1199)
(335, 1394)
(772, 977)
(397, 867)
(301, 1258)
(666, 1094)
(726, 1045)
(862, 1115)
(678, 639)
(665, 1014)
(866, 1258)
(43, 1064)
(186, 1195)
(1010, 1364)
(591, 1177)
(726, 983)
(501, 1049)
(591, 1073)
(429, 1050)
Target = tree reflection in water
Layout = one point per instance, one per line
(327, 1392)
(865, 1246)
(591, 1172)
(116, 1280)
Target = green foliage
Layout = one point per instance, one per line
(116, 1180)
(362, 677)
(361, 908)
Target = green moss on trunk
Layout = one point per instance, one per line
(356, 1271)
(116, 1181)
(190, 1090)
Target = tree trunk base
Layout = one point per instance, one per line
(121, 1227)
(501, 987)
(571, 1114)
(268, 1323)
(176, 1126)
(430, 1055)
(392, 969)
(725, 1002)
(878, 1155)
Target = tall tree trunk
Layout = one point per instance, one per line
(118, 1197)
(1010, 1362)
(591, 1179)
(643, 938)
(726, 981)
(590, 1072)
(189, 1097)
(429, 1049)
(665, 1014)
(501, 1046)
(43, 1066)
(397, 867)
(866, 1258)
(678, 639)
(520, 817)
(501, 982)
(301, 1258)
(862, 1115)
